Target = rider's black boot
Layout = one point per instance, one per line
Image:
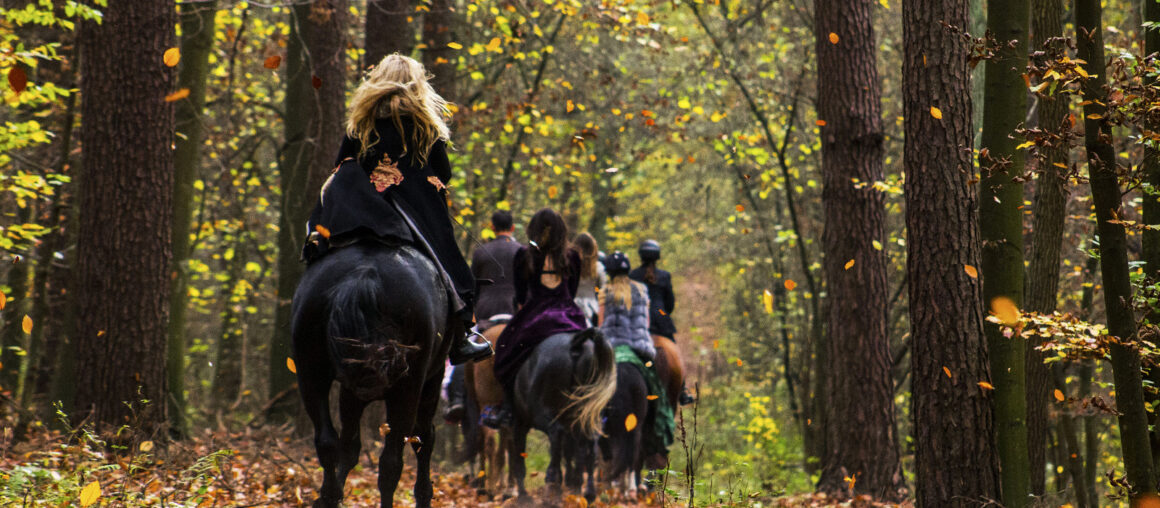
(685, 398)
(464, 349)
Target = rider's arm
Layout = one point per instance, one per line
(439, 162)
(350, 148)
(519, 264)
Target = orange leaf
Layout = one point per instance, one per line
(26, 324)
(322, 230)
(272, 62)
(971, 271)
(985, 385)
(552, 192)
(171, 57)
(739, 363)
(936, 113)
(652, 397)
(178, 95)
(790, 284)
(290, 365)
(849, 264)
(384, 429)
(820, 123)
(3, 300)
(630, 422)
(17, 79)
(1059, 395)
(833, 38)
(1005, 310)
(569, 106)
(716, 343)
(740, 208)
(947, 371)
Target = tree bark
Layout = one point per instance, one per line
(956, 463)
(313, 130)
(861, 432)
(437, 57)
(1042, 284)
(1151, 212)
(197, 38)
(1001, 226)
(1133, 418)
(388, 29)
(123, 251)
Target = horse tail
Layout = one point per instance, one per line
(588, 399)
(365, 359)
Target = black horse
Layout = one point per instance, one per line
(561, 390)
(375, 317)
(626, 418)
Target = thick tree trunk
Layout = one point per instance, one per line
(1151, 238)
(197, 37)
(956, 463)
(313, 128)
(388, 29)
(123, 253)
(438, 58)
(861, 432)
(1001, 226)
(1042, 284)
(1101, 155)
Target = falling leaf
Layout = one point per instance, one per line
(322, 230)
(90, 494)
(833, 38)
(454, 45)
(146, 446)
(413, 440)
(820, 123)
(569, 106)
(947, 371)
(767, 301)
(1059, 395)
(652, 397)
(524, 454)
(316, 82)
(1005, 310)
(739, 362)
(384, 429)
(3, 300)
(936, 113)
(290, 365)
(17, 79)
(552, 192)
(986, 386)
(493, 45)
(26, 324)
(272, 62)
(171, 57)
(630, 422)
(642, 18)
(178, 95)
(849, 264)
(851, 480)
(877, 245)
(971, 271)
(790, 285)
(716, 343)
(739, 208)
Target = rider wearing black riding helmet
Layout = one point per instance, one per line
(660, 294)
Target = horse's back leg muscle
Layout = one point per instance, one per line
(425, 431)
(402, 406)
(519, 446)
(315, 391)
(350, 409)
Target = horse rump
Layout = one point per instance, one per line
(587, 401)
(365, 359)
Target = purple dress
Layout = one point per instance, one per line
(545, 312)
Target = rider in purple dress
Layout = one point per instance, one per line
(547, 274)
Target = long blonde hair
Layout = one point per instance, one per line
(398, 86)
(621, 290)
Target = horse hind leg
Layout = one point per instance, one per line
(517, 452)
(315, 391)
(425, 431)
(402, 405)
(350, 409)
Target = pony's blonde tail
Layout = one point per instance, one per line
(588, 400)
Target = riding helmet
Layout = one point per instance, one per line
(617, 264)
(649, 250)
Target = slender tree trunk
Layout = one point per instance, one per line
(388, 29)
(1042, 285)
(1151, 238)
(197, 37)
(227, 365)
(1091, 423)
(956, 463)
(1133, 418)
(313, 130)
(13, 341)
(860, 428)
(123, 252)
(1070, 438)
(438, 58)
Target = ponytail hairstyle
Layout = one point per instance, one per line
(621, 290)
(548, 236)
(650, 253)
(589, 254)
(394, 88)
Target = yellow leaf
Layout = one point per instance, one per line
(790, 285)
(552, 191)
(767, 301)
(936, 113)
(1005, 310)
(454, 45)
(849, 264)
(493, 45)
(947, 371)
(971, 271)
(290, 365)
(985, 385)
(833, 38)
(26, 324)
(171, 57)
(90, 494)
(877, 245)
(178, 95)
(630, 422)
(146, 446)
(1025, 144)
(1059, 395)
(642, 18)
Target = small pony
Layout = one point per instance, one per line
(375, 317)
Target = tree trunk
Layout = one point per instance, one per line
(861, 432)
(13, 340)
(227, 365)
(437, 57)
(956, 463)
(1151, 238)
(197, 37)
(126, 195)
(313, 129)
(1133, 418)
(1042, 284)
(1001, 226)
(388, 29)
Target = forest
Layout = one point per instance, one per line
(914, 244)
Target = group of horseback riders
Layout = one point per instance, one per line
(390, 185)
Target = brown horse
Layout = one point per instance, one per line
(671, 371)
(485, 390)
